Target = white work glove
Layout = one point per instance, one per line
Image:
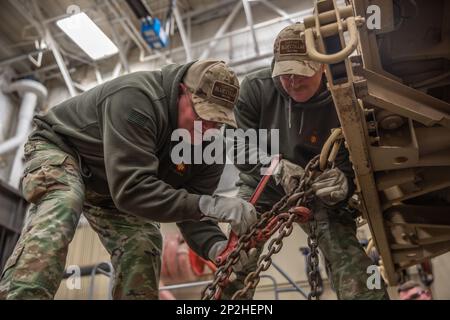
(239, 213)
(288, 175)
(331, 187)
(218, 247)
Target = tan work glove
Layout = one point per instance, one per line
(331, 186)
(288, 175)
(239, 213)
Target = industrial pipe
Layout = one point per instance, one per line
(32, 93)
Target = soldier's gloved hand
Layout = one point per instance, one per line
(239, 213)
(288, 175)
(331, 187)
(218, 247)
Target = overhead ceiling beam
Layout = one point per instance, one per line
(276, 9)
(226, 24)
(184, 37)
(296, 15)
(45, 34)
(248, 15)
(13, 56)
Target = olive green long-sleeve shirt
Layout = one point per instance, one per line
(121, 133)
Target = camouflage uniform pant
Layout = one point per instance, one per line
(53, 185)
(337, 240)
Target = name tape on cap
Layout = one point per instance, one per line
(225, 91)
(292, 47)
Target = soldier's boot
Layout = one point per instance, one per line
(135, 246)
(52, 183)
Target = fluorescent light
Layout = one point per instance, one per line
(88, 36)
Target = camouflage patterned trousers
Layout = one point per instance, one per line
(338, 243)
(53, 185)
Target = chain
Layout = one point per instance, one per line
(313, 261)
(223, 272)
(265, 261)
(286, 214)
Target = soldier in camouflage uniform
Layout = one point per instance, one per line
(292, 96)
(106, 153)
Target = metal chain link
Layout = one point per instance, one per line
(265, 261)
(313, 261)
(223, 272)
(300, 197)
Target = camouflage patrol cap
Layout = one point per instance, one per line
(215, 90)
(290, 53)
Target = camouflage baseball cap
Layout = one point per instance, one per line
(290, 53)
(215, 90)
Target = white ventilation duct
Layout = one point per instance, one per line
(32, 93)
